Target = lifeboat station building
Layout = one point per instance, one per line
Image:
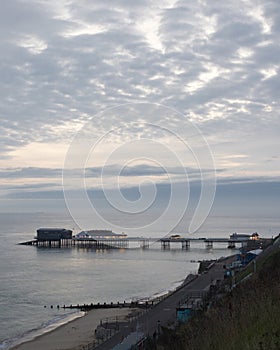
(53, 236)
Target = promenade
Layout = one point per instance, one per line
(164, 313)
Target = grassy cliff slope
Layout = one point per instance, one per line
(247, 318)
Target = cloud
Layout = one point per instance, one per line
(226, 189)
(30, 172)
(127, 171)
(18, 190)
(217, 64)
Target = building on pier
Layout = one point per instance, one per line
(101, 234)
(53, 234)
(53, 237)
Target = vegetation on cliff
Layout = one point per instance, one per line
(246, 318)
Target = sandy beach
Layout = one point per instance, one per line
(75, 334)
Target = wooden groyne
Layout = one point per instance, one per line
(141, 304)
(117, 305)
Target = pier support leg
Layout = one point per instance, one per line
(209, 245)
(165, 245)
(145, 244)
(185, 244)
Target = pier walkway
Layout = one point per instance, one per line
(209, 242)
(142, 242)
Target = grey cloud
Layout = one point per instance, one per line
(243, 33)
(148, 170)
(129, 171)
(17, 189)
(268, 54)
(91, 72)
(271, 181)
(246, 188)
(30, 172)
(26, 193)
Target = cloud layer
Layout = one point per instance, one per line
(217, 64)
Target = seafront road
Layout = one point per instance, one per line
(164, 313)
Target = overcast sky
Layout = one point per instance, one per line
(197, 75)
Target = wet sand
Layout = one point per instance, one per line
(73, 335)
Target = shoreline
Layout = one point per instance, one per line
(74, 334)
(44, 328)
(50, 335)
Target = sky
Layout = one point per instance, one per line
(138, 94)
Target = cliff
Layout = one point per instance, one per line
(245, 318)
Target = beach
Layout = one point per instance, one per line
(76, 334)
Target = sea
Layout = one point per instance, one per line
(34, 279)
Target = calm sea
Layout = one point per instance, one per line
(32, 278)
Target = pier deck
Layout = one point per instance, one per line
(209, 242)
(105, 243)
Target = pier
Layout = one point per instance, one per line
(86, 243)
(57, 238)
(144, 243)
